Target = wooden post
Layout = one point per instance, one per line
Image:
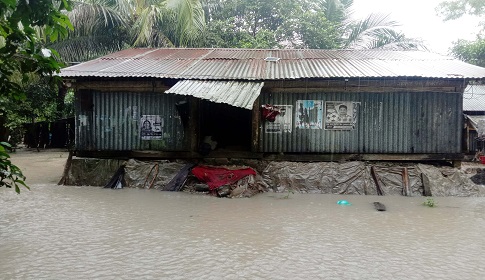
(256, 120)
(426, 185)
(376, 180)
(67, 167)
(405, 182)
(194, 126)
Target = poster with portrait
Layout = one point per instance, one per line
(340, 115)
(283, 121)
(151, 127)
(309, 114)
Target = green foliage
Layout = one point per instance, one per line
(38, 104)
(10, 174)
(106, 26)
(297, 24)
(289, 191)
(317, 32)
(470, 51)
(430, 202)
(24, 56)
(21, 50)
(455, 9)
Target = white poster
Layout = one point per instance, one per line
(283, 121)
(340, 115)
(309, 114)
(151, 127)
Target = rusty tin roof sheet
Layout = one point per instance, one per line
(250, 64)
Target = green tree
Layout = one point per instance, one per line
(22, 55)
(472, 52)
(455, 9)
(106, 26)
(322, 24)
(469, 51)
(99, 27)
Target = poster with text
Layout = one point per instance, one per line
(151, 127)
(283, 121)
(309, 114)
(340, 115)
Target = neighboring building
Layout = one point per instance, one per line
(474, 112)
(318, 104)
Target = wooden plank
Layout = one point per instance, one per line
(270, 156)
(67, 167)
(256, 119)
(405, 180)
(376, 180)
(359, 89)
(141, 85)
(412, 157)
(366, 83)
(426, 185)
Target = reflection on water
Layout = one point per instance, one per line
(55, 232)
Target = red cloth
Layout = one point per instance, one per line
(218, 176)
(269, 112)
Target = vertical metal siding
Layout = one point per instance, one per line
(398, 122)
(83, 121)
(115, 122)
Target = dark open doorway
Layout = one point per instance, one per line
(228, 125)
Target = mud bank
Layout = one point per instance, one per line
(361, 178)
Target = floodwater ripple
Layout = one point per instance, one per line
(55, 232)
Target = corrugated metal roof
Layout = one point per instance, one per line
(249, 64)
(239, 94)
(474, 98)
(478, 123)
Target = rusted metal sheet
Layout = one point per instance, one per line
(115, 122)
(237, 64)
(397, 122)
(235, 93)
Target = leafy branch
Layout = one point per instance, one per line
(10, 175)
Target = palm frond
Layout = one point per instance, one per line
(189, 19)
(374, 25)
(89, 19)
(393, 40)
(145, 31)
(85, 48)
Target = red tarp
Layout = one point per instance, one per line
(218, 176)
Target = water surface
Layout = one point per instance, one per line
(63, 232)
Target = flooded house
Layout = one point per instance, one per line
(299, 104)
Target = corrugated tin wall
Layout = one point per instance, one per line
(113, 123)
(472, 142)
(398, 122)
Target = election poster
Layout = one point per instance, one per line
(151, 127)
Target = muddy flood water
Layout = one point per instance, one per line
(65, 232)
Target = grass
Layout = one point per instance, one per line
(430, 202)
